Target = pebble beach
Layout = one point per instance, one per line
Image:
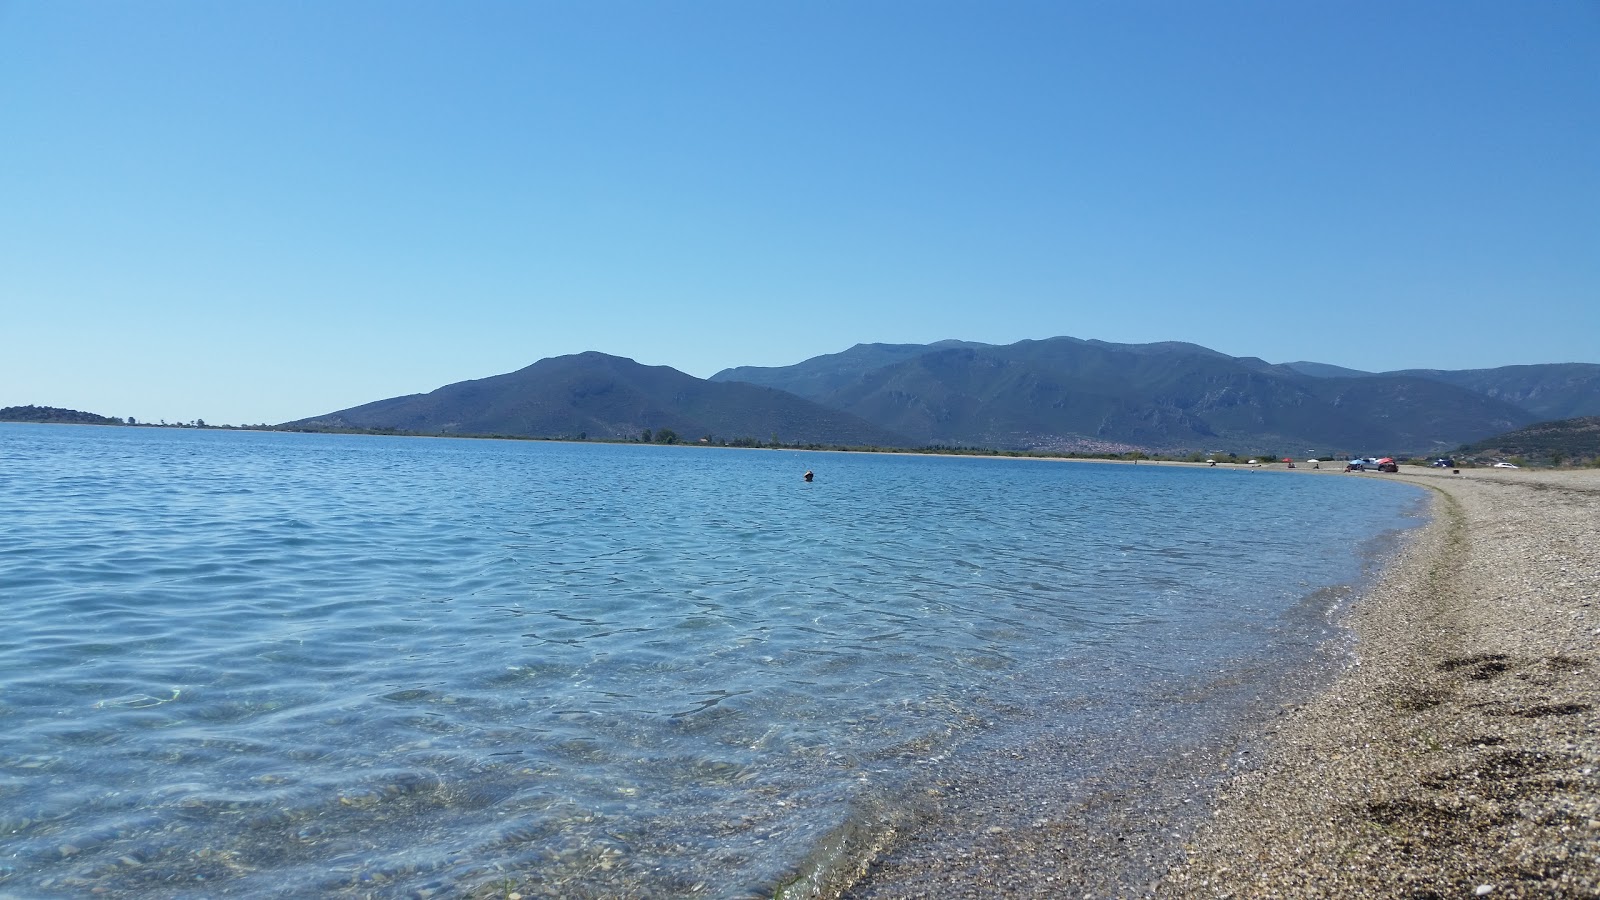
(1455, 753)
(1460, 755)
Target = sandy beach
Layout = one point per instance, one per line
(1457, 754)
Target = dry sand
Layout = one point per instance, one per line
(1458, 756)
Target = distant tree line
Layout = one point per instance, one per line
(1563, 449)
(55, 415)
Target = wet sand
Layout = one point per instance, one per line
(1457, 755)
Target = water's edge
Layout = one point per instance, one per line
(1131, 814)
(261, 664)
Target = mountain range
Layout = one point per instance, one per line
(593, 395)
(1550, 391)
(1058, 394)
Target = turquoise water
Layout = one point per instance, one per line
(266, 664)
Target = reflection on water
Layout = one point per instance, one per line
(270, 664)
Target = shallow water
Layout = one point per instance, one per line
(268, 664)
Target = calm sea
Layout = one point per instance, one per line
(261, 664)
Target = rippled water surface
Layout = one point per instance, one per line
(271, 664)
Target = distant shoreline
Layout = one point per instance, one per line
(1332, 464)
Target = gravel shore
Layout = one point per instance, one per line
(1459, 756)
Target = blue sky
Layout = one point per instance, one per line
(259, 211)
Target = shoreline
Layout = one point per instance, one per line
(1459, 755)
(1456, 754)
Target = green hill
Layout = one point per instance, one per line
(1563, 441)
(54, 415)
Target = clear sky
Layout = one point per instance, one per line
(260, 211)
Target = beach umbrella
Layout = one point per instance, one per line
(1287, 459)
(1385, 461)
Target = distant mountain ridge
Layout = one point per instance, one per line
(1324, 370)
(1388, 408)
(1066, 394)
(1550, 391)
(821, 375)
(1056, 394)
(595, 395)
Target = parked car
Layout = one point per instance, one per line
(1504, 466)
(1372, 464)
(1443, 462)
